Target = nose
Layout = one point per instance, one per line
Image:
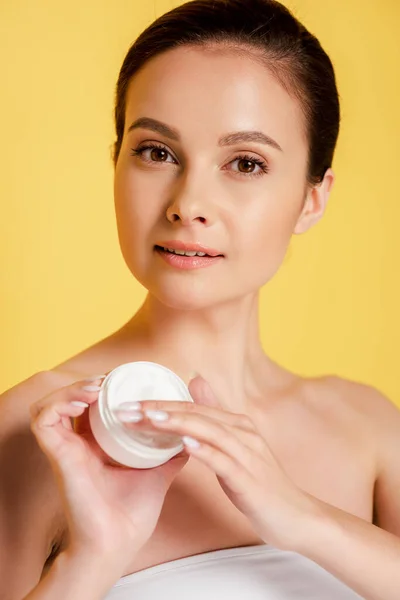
(187, 208)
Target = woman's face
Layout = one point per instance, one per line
(193, 189)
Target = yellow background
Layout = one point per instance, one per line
(332, 308)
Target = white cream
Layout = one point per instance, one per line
(143, 447)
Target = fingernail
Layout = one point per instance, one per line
(79, 403)
(191, 442)
(95, 377)
(193, 374)
(156, 415)
(130, 406)
(131, 417)
(91, 388)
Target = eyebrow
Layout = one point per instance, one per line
(227, 140)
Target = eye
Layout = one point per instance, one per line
(160, 154)
(247, 160)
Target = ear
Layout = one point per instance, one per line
(315, 203)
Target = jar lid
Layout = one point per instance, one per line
(136, 381)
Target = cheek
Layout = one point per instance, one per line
(266, 234)
(136, 211)
(129, 195)
(269, 224)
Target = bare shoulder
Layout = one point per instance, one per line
(332, 394)
(372, 410)
(15, 400)
(351, 398)
(359, 406)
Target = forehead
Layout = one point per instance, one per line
(204, 93)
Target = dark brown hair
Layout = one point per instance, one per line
(266, 31)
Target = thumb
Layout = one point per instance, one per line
(202, 393)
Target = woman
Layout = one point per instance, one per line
(227, 117)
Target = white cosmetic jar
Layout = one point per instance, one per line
(142, 447)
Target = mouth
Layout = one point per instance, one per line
(183, 256)
(189, 250)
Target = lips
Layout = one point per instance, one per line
(187, 262)
(188, 247)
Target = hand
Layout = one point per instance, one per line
(111, 510)
(244, 464)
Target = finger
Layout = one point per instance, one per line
(52, 413)
(245, 447)
(202, 393)
(54, 417)
(95, 378)
(81, 391)
(239, 420)
(226, 467)
(53, 430)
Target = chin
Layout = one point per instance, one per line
(184, 299)
(195, 290)
(187, 295)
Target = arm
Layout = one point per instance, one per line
(364, 556)
(30, 512)
(75, 578)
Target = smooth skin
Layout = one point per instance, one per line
(203, 320)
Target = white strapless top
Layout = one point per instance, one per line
(260, 572)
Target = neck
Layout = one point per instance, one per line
(220, 343)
